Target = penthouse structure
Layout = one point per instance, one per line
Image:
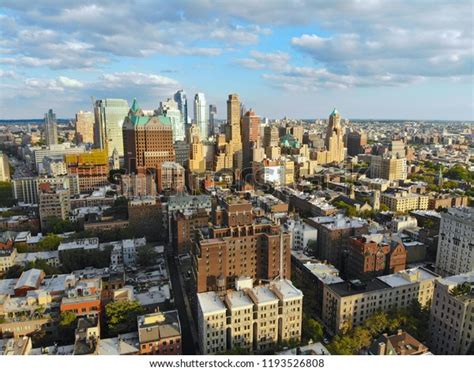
(451, 325)
(239, 244)
(348, 304)
(254, 319)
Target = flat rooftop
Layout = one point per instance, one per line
(209, 302)
(347, 289)
(238, 299)
(408, 276)
(286, 288)
(264, 295)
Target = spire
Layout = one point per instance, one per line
(135, 107)
(334, 112)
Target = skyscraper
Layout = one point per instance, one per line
(234, 132)
(200, 115)
(250, 135)
(170, 109)
(50, 128)
(109, 117)
(84, 127)
(148, 141)
(212, 119)
(233, 118)
(182, 101)
(355, 142)
(334, 140)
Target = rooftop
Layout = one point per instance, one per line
(408, 276)
(30, 278)
(263, 295)
(209, 302)
(286, 288)
(238, 300)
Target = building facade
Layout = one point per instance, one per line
(451, 325)
(254, 319)
(455, 243)
(85, 127)
(109, 119)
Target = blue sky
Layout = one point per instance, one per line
(389, 59)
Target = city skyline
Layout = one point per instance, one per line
(374, 60)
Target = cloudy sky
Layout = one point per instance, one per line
(296, 58)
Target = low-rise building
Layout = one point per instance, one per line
(255, 319)
(160, 333)
(403, 201)
(348, 304)
(399, 344)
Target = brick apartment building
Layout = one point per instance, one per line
(367, 258)
(239, 244)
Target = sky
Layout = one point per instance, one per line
(380, 59)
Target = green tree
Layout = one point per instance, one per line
(67, 325)
(49, 243)
(384, 207)
(122, 316)
(146, 256)
(312, 330)
(312, 246)
(57, 225)
(76, 259)
(6, 195)
(376, 323)
(44, 266)
(14, 271)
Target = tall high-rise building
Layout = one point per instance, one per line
(182, 101)
(85, 127)
(250, 135)
(148, 141)
(234, 134)
(109, 117)
(170, 109)
(4, 168)
(200, 115)
(355, 142)
(212, 119)
(50, 128)
(233, 118)
(197, 161)
(388, 167)
(239, 245)
(397, 148)
(334, 138)
(456, 233)
(270, 136)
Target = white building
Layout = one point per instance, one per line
(201, 118)
(251, 318)
(170, 109)
(301, 234)
(451, 325)
(455, 243)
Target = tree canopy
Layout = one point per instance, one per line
(122, 316)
